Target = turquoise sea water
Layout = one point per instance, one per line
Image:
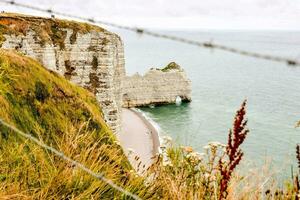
(220, 82)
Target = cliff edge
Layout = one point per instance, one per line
(87, 55)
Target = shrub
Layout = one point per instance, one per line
(234, 153)
(41, 91)
(182, 173)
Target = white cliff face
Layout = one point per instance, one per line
(156, 87)
(93, 60)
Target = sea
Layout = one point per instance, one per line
(221, 81)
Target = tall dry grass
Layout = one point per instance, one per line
(182, 173)
(29, 172)
(68, 118)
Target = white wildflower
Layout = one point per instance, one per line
(206, 175)
(214, 144)
(197, 156)
(202, 154)
(163, 146)
(167, 163)
(167, 139)
(187, 149)
(223, 145)
(194, 154)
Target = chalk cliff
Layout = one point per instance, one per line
(86, 55)
(93, 58)
(157, 86)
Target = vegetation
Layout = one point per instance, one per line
(63, 116)
(202, 176)
(298, 124)
(47, 30)
(233, 151)
(69, 119)
(171, 66)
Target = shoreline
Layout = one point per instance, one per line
(154, 131)
(139, 139)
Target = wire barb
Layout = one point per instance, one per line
(98, 176)
(209, 45)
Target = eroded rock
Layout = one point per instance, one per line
(157, 86)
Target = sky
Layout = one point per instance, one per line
(181, 14)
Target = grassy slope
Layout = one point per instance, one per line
(64, 116)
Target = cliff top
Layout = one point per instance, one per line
(47, 29)
(171, 66)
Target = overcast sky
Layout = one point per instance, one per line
(182, 14)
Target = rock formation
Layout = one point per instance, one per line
(158, 86)
(93, 58)
(86, 55)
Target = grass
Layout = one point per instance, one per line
(63, 116)
(68, 118)
(171, 66)
(202, 176)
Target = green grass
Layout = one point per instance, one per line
(171, 66)
(65, 117)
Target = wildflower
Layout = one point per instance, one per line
(236, 137)
(167, 139)
(167, 163)
(197, 156)
(201, 154)
(213, 178)
(206, 175)
(223, 145)
(163, 149)
(187, 149)
(214, 144)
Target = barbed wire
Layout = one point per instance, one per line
(210, 45)
(98, 176)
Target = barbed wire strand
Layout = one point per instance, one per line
(98, 176)
(210, 45)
